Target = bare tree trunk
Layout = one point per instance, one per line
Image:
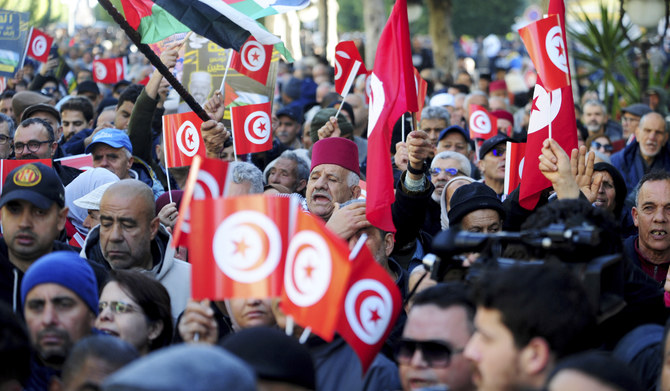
(439, 28)
(323, 26)
(374, 19)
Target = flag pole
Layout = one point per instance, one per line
(154, 59)
(232, 124)
(402, 126)
(349, 83)
(25, 52)
(167, 171)
(225, 74)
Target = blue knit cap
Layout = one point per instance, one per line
(64, 268)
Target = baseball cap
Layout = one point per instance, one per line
(454, 128)
(115, 138)
(638, 109)
(88, 86)
(36, 183)
(491, 143)
(292, 111)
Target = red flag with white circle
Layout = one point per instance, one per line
(546, 47)
(39, 45)
(253, 60)
(371, 306)
(252, 128)
(207, 178)
(109, 70)
(348, 65)
(237, 246)
(514, 161)
(482, 124)
(181, 134)
(315, 276)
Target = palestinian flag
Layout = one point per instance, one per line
(221, 23)
(256, 9)
(151, 21)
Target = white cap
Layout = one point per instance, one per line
(91, 201)
(442, 99)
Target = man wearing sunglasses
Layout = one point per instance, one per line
(445, 165)
(492, 162)
(430, 353)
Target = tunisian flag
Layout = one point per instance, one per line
(552, 115)
(252, 128)
(253, 60)
(482, 124)
(392, 93)
(370, 309)
(237, 246)
(315, 276)
(544, 41)
(514, 161)
(421, 90)
(207, 178)
(109, 70)
(39, 45)
(182, 139)
(348, 65)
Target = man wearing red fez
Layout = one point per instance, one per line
(334, 175)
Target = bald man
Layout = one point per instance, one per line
(130, 236)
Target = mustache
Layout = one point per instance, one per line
(53, 331)
(322, 193)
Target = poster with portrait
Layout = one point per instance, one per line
(204, 67)
(13, 37)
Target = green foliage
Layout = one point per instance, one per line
(350, 16)
(603, 47)
(42, 12)
(484, 17)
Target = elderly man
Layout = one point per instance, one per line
(430, 353)
(333, 177)
(630, 118)
(289, 170)
(445, 166)
(650, 249)
(648, 152)
(130, 237)
(433, 120)
(492, 162)
(595, 118)
(111, 149)
(59, 295)
(33, 216)
(476, 208)
(35, 139)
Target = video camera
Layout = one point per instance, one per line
(602, 276)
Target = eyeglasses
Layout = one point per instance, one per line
(499, 150)
(4, 139)
(597, 145)
(435, 171)
(117, 307)
(435, 353)
(33, 145)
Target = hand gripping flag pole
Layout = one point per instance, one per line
(154, 59)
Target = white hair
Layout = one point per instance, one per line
(462, 160)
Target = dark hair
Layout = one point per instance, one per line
(545, 301)
(130, 94)
(81, 104)
(10, 124)
(112, 350)
(40, 121)
(445, 295)
(152, 297)
(602, 367)
(651, 176)
(7, 94)
(619, 185)
(15, 347)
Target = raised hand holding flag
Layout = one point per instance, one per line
(253, 60)
(252, 128)
(39, 45)
(545, 44)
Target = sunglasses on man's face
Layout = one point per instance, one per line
(499, 150)
(435, 353)
(607, 147)
(435, 171)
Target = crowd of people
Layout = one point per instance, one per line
(94, 295)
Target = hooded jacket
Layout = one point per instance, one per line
(174, 274)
